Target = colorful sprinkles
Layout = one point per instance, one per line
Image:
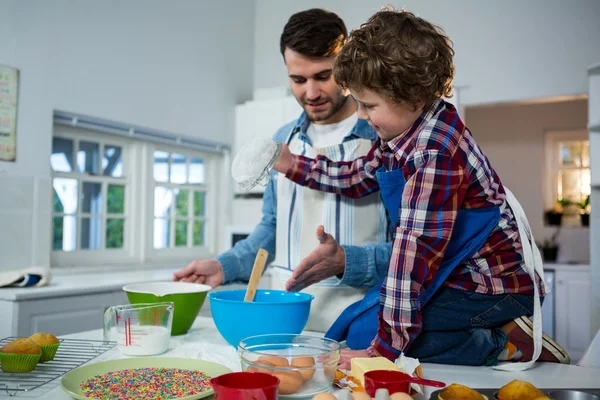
(146, 383)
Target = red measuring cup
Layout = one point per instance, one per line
(245, 386)
(394, 382)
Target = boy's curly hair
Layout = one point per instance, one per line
(400, 56)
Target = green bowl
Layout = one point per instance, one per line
(186, 297)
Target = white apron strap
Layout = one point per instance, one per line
(533, 265)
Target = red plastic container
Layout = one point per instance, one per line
(245, 386)
(393, 381)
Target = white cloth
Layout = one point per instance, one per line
(328, 135)
(23, 277)
(533, 265)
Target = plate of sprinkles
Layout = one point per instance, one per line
(148, 378)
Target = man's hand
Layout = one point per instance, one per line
(327, 260)
(346, 355)
(208, 272)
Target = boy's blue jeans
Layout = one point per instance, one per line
(461, 327)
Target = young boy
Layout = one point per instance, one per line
(458, 289)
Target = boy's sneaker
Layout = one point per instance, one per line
(519, 346)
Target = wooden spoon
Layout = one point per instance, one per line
(257, 270)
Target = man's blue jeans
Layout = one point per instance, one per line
(464, 328)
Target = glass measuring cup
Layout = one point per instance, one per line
(143, 329)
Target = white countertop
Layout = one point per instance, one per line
(69, 283)
(203, 341)
(566, 267)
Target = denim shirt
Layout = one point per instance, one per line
(365, 265)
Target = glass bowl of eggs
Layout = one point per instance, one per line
(304, 364)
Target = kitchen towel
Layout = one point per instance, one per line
(27, 277)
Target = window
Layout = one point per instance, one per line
(568, 162)
(179, 200)
(124, 200)
(89, 190)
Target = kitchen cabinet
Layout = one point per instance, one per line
(573, 308)
(594, 132)
(60, 315)
(261, 119)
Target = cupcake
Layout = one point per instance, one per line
(460, 392)
(49, 344)
(21, 355)
(519, 390)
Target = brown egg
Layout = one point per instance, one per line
(276, 361)
(360, 396)
(261, 366)
(304, 362)
(289, 381)
(324, 396)
(400, 396)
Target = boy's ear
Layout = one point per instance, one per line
(420, 105)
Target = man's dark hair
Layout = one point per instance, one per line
(315, 32)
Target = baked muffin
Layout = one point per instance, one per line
(519, 390)
(21, 355)
(49, 344)
(460, 392)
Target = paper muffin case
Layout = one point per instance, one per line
(48, 352)
(18, 362)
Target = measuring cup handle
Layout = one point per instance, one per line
(428, 382)
(108, 314)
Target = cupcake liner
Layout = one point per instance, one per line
(48, 352)
(18, 362)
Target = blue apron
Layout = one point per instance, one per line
(359, 322)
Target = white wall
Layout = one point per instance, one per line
(174, 66)
(512, 136)
(505, 51)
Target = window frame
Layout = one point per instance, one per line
(552, 157)
(100, 256)
(209, 187)
(137, 156)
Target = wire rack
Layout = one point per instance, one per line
(71, 354)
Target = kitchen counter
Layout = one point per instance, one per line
(72, 283)
(550, 266)
(203, 341)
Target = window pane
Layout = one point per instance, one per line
(586, 183)
(91, 198)
(198, 233)
(161, 233)
(199, 198)
(91, 233)
(115, 199)
(181, 233)
(569, 185)
(181, 202)
(112, 163)
(114, 233)
(64, 233)
(570, 153)
(88, 157)
(161, 166)
(62, 155)
(585, 153)
(178, 168)
(163, 200)
(66, 191)
(196, 170)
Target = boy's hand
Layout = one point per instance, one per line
(328, 259)
(347, 355)
(285, 159)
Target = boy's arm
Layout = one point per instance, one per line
(348, 178)
(237, 263)
(430, 203)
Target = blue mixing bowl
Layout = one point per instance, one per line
(272, 311)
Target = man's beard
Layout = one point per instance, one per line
(335, 107)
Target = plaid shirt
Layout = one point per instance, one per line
(445, 170)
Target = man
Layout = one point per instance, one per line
(329, 125)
